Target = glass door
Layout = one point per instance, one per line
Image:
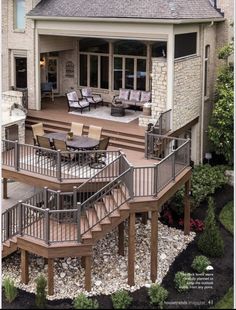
(21, 72)
(52, 73)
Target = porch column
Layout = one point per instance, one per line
(154, 245)
(24, 266)
(88, 269)
(170, 71)
(187, 208)
(50, 276)
(121, 248)
(148, 66)
(131, 249)
(37, 71)
(4, 188)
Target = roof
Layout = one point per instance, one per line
(145, 9)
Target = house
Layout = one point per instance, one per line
(168, 48)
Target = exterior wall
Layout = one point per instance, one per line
(187, 91)
(16, 42)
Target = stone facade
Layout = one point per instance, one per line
(16, 43)
(187, 91)
(159, 86)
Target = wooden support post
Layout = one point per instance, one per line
(83, 261)
(144, 218)
(88, 269)
(121, 247)
(154, 245)
(24, 266)
(4, 190)
(131, 250)
(50, 276)
(187, 208)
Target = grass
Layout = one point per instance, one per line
(227, 302)
(227, 217)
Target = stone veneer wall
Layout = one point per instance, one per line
(21, 130)
(187, 91)
(159, 91)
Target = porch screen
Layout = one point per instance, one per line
(185, 44)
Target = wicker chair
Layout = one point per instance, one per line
(77, 128)
(95, 132)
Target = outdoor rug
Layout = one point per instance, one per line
(105, 113)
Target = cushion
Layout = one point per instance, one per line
(134, 95)
(73, 104)
(84, 103)
(87, 92)
(72, 96)
(124, 94)
(145, 96)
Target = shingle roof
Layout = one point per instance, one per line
(153, 9)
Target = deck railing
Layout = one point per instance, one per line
(55, 216)
(51, 163)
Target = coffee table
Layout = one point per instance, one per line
(118, 109)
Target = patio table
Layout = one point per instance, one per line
(78, 142)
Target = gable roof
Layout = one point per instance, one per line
(144, 9)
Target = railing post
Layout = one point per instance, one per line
(58, 166)
(146, 144)
(7, 228)
(188, 153)
(16, 155)
(74, 197)
(155, 183)
(47, 226)
(78, 222)
(173, 166)
(45, 197)
(131, 182)
(20, 217)
(58, 202)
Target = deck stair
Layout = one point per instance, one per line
(117, 138)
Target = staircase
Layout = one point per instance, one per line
(9, 246)
(117, 138)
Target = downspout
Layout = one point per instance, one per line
(203, 97)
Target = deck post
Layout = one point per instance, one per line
(131, 182)
(16, 155)
(131, 249)
(47, 226)
(121, 248)
(45, 196)
(20, 217)
(58, 165)
(4, 188)
(88, 269)
(78, 222)
(144, 218)
(187, 208)
(173, 166)
(154, 245)
(24, 266)
(50, 276)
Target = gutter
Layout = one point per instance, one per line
(130, 20)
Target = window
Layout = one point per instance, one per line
(130, 47)
(19, 14)
(94, 63)
(159, 49)
(185, 44)
(21, 72)
(207, 52)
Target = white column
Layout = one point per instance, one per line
(37, 71)
(170, 71)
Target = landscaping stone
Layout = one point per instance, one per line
(109, 270)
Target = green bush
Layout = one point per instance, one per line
(200, 263)
(210, 241)
(121, 300)
(40, 299)
(10, 291)
(182, 281)
(83, 302)
(205, 180)
(157, 295)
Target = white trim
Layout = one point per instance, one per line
(170, 75)
(37, 72)
(130, 20)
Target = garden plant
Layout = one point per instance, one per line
(200, 263)
(121, 299)
(83, 302)
(10, 291)
(158, 295)
(182, 281)
(40, 298)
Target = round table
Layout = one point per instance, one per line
(78, 142)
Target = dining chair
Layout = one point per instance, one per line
(95, 132)
(97, 158)
(77, 128)
(66, 155)
(45, 143)
(37, 130)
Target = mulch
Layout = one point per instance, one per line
(193, 299)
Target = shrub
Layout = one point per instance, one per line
(200, 263)
(10, 291)
(211, 242)
(195, 225)
(41, 284)
(121, 300)
(83, 302)
(157, 295)
(205, 180)
(182, 281)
